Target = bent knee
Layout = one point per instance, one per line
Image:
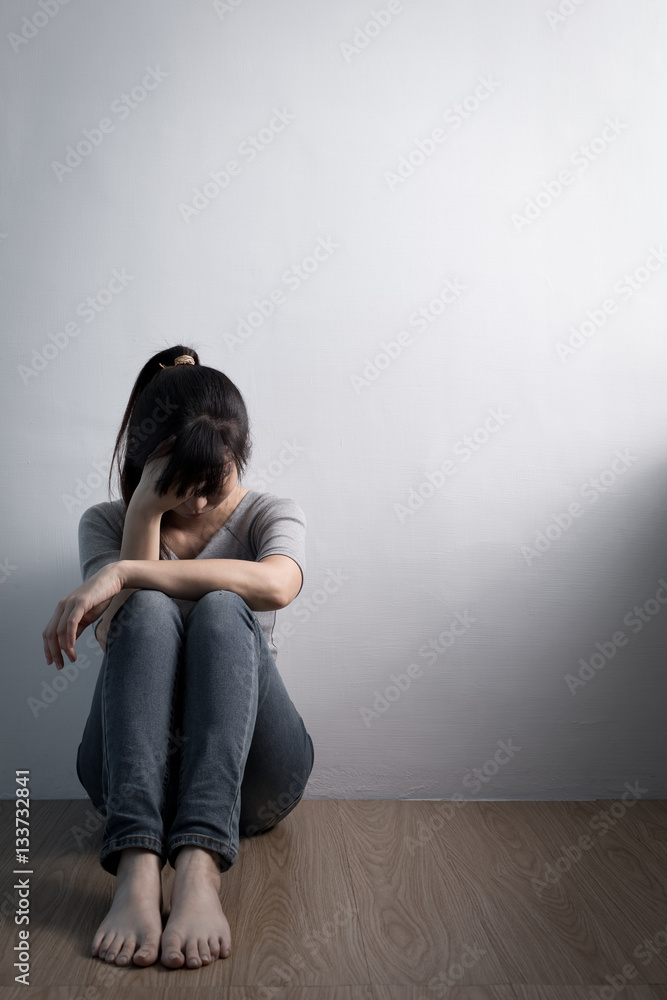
(141, 607)
(149, 599)
(217, 601)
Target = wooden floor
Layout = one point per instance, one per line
(378, 900)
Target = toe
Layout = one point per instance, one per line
(214, 948)
(147, 954)
(106, 943)
(126, 952)
(204, 951)
(97, 941)
(192, 954)
(113, 949)
(172, 956)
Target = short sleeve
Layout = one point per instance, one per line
(99, 541)
(280, 529)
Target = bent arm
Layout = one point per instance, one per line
(259, 584)
(141, 540)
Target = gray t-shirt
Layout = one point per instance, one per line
(261, 525)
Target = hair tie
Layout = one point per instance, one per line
(182, 359)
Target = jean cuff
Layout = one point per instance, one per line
(110, 853)
(226, 852)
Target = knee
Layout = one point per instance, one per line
(220, 606)
(141, 608)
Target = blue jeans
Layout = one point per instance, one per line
(192, 737)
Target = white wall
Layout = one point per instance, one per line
(364, 449)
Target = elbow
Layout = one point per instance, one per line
(279, 598)
(286, 591)
(283, 593)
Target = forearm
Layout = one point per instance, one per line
(190, 579)
(141, 540)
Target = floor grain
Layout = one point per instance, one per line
(377, 900)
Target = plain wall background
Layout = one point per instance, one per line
(360, 448)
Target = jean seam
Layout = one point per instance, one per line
(109, 848)
(132, 839)
(185, 838)
(226, 851)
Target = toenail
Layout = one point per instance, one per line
(174, 954)
(122, 960)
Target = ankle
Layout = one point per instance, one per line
(135, 860)
(192, 858)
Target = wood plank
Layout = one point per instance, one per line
(298, 923)
(416, 923)
(558, 937)
(629, 882)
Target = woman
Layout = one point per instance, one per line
(192, 740)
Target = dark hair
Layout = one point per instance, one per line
(202, 408)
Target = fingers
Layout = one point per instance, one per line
(50, 638)
(67, 630)
(61, 636)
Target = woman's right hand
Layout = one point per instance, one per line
(154, 467)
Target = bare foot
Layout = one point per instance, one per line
(131, 930)
(197, 932)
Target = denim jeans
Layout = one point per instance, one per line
(192, 737)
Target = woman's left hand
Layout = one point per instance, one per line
(75, 612)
